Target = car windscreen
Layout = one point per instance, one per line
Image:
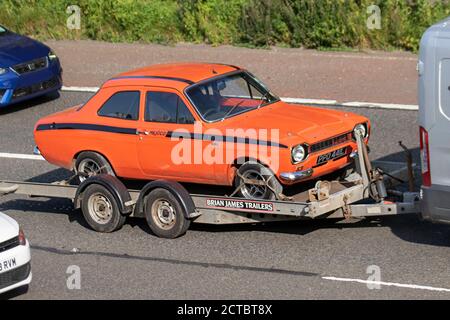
(3, 30)
(226, 96)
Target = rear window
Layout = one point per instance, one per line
(122, 105)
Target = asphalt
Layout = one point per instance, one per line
(270, 261)
(372, 76)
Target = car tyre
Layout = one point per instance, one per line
(89, 164)
(165, 215)
(101, 210)
(255, 170)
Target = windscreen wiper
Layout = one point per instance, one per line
(264, 98)
(232, 109)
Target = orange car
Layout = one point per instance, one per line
(200, 123)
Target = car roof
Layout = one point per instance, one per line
(176, 75)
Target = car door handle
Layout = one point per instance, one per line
(144, 132)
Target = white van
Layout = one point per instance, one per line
(434, 120)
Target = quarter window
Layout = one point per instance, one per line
(122, 105)
(167, 107)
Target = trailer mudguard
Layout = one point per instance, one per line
(113, 185)
(177, 190)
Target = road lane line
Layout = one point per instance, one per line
(80, 89)
(319, 102)
(310, 101)
(20, 156)
(366, 57)
(391, 284)
(381, 105)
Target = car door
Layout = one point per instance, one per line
(114, 120)
(161, 154)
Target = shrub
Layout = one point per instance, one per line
(294, 23)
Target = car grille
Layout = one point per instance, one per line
(9, 244)
(14, 276)
(30, 66)
(41, 86)
(325, 144)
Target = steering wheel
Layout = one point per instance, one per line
(209, 112)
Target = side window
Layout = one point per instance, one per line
(122, 105)
(184, 115)
(166, 107)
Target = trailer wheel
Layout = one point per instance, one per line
(100, 209)
(256, 171)
(89, 164)
(165, 215)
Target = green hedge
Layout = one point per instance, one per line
(308, 23)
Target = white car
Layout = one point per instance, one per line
(15, 267)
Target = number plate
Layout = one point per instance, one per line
(7, 264)
(331, 155)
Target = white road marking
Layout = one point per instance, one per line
(310, 101)
(360, 56)
(80, 89)
(381, 105)
(319, 102)
(20, 156)
(392, 284)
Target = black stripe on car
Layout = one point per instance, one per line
(229, 139)
(84, 126)
(169, 134)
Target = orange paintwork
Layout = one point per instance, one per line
(148, 157)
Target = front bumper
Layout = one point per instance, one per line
(435, 203)
(296, 176)
(19, 276)
(16, 88)
(291, 177)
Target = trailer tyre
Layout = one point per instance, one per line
(90, 163)
(100, 209)
(165, 215)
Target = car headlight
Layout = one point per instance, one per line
(3, 71)
(361, 129)
(52, 56)
(299, 153)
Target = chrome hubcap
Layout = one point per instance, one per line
(87, 169)
(252, 190)
(163, 214)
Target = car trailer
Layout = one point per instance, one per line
(169, 208)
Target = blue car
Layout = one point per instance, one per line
(28, 68)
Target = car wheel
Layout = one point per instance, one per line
(89, 164)
(100, 209)
(164, 214)
(256, 171)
